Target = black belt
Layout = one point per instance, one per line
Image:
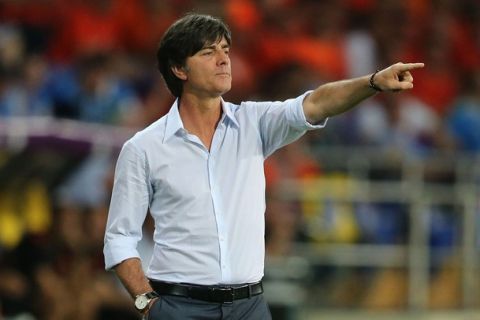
(219, 294)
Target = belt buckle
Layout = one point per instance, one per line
(230, 296)
(227, 293)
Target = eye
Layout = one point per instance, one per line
(207, 53)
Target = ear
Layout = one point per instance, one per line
(180, 72)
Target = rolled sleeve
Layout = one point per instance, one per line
(281, 122)
(118, 249)
(296, 115)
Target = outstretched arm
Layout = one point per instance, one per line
(337, 97)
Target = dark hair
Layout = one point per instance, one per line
(183, 39)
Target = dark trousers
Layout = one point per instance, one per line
(182, 308)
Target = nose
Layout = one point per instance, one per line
(222, 58)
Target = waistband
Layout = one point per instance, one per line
(221, 294)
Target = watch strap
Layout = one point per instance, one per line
(151, 295)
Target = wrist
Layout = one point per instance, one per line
(144, 301)
(372, 84)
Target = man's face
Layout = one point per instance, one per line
(208, 72)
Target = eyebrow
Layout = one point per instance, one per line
(213, 46)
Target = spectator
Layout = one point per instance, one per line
(26, 94)
(103, 97)
(464, 119)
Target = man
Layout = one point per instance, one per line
(199, 171)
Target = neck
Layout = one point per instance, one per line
(200, 116)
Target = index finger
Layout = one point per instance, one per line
(410, 66)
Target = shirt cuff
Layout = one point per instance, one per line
(116, 253)
(297, 115)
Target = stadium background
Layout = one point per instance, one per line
(375, 217)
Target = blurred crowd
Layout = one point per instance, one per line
(94, 61)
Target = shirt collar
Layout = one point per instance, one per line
(227, 111)
(174, 121)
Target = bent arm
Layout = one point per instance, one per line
(337, 97)
(127, 212)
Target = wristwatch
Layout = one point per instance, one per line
(142, 300)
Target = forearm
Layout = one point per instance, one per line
(131, 275)
(336, 97)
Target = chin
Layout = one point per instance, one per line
(224, 89)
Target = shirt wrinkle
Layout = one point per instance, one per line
(208, 208)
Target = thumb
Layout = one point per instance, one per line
(402, 85)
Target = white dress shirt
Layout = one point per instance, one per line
(208, 206)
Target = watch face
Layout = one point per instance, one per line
(141, 302)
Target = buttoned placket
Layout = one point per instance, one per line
(218, 205)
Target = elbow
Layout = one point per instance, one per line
(316, 106)
(315, 112)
